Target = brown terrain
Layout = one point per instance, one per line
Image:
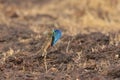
(88, 50)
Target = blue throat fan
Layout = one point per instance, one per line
(56, 35)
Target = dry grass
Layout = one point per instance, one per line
(77, 15)
(74, 15)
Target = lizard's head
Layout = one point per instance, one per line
(56, 35)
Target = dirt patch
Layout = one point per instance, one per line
(89, 56)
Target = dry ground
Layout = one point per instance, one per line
(88, 50)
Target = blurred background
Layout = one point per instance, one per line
(73, 16)
(88, 50)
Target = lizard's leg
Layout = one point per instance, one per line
(45, 62)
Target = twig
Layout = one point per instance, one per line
(67, 48)
(45, 61)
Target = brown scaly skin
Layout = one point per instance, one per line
(46, 44)
(45, 47)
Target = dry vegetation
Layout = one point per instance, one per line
(88, 50)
